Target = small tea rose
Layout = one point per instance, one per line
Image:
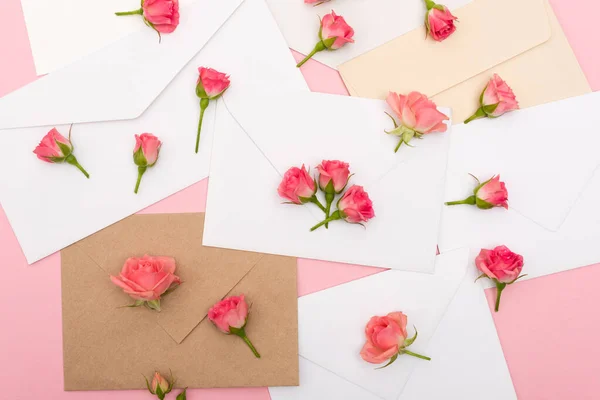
(147, 279)
(55, 148)
(387, 338)
(160, 15)
(211, 85)
(417, 115)
(333, 178)
(160, 385)
(500, 265)
(298, 187)
(439, 21)
(489, 194)
(497, 99)
(333, 34)
(145, 154)
(230, 315)
(354, 207)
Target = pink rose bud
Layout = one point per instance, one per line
(497, 99)
(417, 115)
(211, 85)
(147, 279)
(333, 34)
(230, 316)
(500, 265)
(333, 178)
(55, 148)
(489, 194)
(298, 187)
(159, 386)
(145, 154)
(354, 207)
(439, 21)
(387, 339)
(160, 15)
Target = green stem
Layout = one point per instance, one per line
(318, 47)
(329, 197)
(478, 114)
(410, 353)
(469, 200)
(249, 343)
(429, 4)
(141, 171)
(335, 216)
(203, 105)
(134, 12)
(73, 161)
(399, 144)
(316, 201)
(499, 288)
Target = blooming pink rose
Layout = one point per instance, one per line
(211, 83)
(145, 154)
(161, 15)
(497, 99)
(489, 194)
(55, 148)
(146, 279)
(230, 316)
(333, 34)
(336, 172)
(500, 264)
(385, 337)
(440, 22)
(297, 186)
(355, 205)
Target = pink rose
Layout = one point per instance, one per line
(417, 115)
(160, 15)
(354, 207)
(210, 85)
(145, 154)
(489, 194)
(297, 186)
(146, 279)
(439, 21)
(497, 99)
(160, 386)
(501, 266)
(230, 316)
(335, 172)
(333, 34)
(55, 148)
(387, 339)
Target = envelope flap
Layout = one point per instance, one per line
(208, 274)
(119, 81)
(480, 42)
(305, 128)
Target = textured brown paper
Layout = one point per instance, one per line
(107, 347)
(521, 40)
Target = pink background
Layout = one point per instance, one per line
(547, 325)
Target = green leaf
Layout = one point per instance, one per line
(329, 42)
(170, 289)
(66, 150)
(148, 385)
(518, 277)
(390, 362)
(490, 108)
(159, 393)
(153, 304)
(182, 395)
(482, 276)
(139, 159)
(392, 118)
(411, 340)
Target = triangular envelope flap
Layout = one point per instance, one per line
(459, 57)
(340, 315)
(305, 128)
(208, 274)
(119, 81)
(527, 148)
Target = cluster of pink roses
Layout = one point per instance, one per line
(299, 187)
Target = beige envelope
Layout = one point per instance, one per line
(521, 40)
(107, 347)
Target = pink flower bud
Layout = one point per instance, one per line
(335, 172)
(492, 193)
(145, 154)
(162, 14)
(211, 83)
(333, 34)
(55, 148)
(159, 381)
(439, 21)
(355, 205)
(497, 99)
(297, 185)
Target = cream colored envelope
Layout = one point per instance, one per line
(521, 40)
(107, 347)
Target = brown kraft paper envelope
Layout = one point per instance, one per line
(521, 40)
(107, 347)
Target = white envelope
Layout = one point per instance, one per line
(455, 329)
(556, 184)
(257, 145)
(375, 22)
(545, 155)
(131, 87)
